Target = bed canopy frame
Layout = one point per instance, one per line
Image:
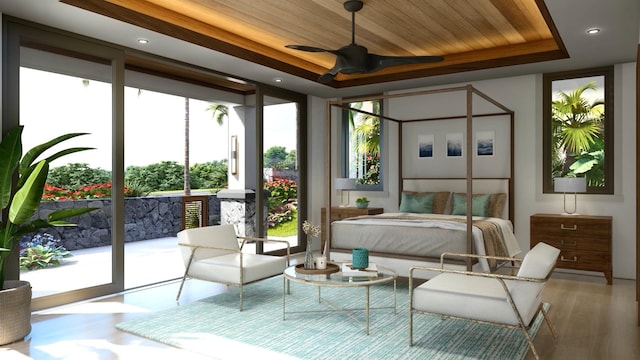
(492, 108)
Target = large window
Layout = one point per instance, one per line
(578, 128)
(362, 134)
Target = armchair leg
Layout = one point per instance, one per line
(240, 297)
(410, 327)
(549, 324)
(181, 285)
(530, 341)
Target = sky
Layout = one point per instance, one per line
(154, 122)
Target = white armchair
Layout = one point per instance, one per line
(214, 253)
(504, 300)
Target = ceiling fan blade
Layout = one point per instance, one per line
(307, 48)
(329, 75)
(378, 62)
(355, 59)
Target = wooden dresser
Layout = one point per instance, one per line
(584, 241)
(340, 212)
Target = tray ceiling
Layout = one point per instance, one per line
(469, 34)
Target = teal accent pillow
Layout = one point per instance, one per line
(479, 205)
(416, 203)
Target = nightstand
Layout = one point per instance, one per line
(584, 241)
(343, 212)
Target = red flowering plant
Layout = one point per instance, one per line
(282, 201)
(94, 191)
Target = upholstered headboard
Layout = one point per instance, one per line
(479, 186)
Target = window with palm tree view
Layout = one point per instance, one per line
(578, 128)
(363, 130)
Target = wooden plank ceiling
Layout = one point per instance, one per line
(469, 34)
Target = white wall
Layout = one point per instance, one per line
(523, 94)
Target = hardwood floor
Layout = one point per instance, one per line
(593, 320)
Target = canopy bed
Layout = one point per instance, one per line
(454, 184)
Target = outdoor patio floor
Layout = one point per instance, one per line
(146, 262)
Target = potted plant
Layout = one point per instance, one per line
(20, 198)
(362, 203)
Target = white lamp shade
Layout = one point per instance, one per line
(345, 183)
(570, 185)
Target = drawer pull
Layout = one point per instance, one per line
(574, 259)
(568, 243)
(573, 228)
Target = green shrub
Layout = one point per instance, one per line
(75, 175)
(282, 202)
(41, 251)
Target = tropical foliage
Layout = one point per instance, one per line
(94, 191)
(578, 135)
(75, 175)
(282, 201)
(278, 157)
(364, 142)
(21, 196)
(41, 251)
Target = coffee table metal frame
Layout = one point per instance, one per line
(385, 275)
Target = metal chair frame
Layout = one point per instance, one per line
(244, 239)
(500, 278)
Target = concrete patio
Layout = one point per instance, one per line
(146, 262)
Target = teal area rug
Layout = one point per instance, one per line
(215, 327)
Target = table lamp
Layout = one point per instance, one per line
(570, 185)
(343, 184)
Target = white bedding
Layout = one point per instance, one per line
(381, 234)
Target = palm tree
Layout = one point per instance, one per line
(577, 125)
(366, 140)
(220, 110)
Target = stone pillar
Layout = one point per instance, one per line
(238, 207)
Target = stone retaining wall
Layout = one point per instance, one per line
(146, 218)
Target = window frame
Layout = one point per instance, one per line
(344, 146)
(547, 95)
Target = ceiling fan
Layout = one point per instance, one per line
(356, 59)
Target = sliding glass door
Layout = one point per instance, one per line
(66, 85)
(56, 101)
(283, 176)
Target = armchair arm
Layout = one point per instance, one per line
(195, 247)
(245, 238)
(472, 273)
(477, 256)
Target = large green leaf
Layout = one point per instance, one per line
(54, 219)
(31, 227)
(31, 155)
(6, 237)
(27, 198)
(24, 174)
(67, 213)
(10, 153)
(583, 165)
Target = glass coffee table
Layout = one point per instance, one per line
(385, 275)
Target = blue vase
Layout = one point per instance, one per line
(362, 205)
(360, 258)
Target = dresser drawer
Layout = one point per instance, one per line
(581, 243)
(567, 227)
(592, 261)
(584, 241)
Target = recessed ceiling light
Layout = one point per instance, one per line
(143, 41)
(278, 80)
(593, 31)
